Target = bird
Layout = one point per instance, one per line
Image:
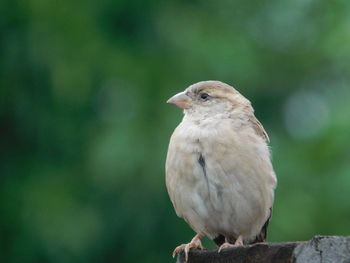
(218, 169)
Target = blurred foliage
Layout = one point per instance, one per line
(84, 124)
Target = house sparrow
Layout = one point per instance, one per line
(219, 174)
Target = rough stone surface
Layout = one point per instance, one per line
(324, 250)
(321, 249)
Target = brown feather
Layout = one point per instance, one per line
(263, 233)
(258, 128)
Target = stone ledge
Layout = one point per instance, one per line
(320, 249)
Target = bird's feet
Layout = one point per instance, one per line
(195, 243)
(239, 242)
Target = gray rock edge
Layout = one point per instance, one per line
(320, 249)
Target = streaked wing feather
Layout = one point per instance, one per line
(259, 129)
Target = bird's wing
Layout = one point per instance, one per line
(261, 237)
(258, 128)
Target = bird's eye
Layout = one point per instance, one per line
(204, 96)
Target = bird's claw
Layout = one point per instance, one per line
(195, 243)
(238, 243)
(224, 246)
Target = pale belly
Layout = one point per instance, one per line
(212, 208)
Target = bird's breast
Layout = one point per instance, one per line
(215, 178)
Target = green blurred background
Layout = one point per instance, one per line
(85, 127)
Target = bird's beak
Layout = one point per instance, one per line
(180, 100)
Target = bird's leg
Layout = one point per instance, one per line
(239, 242)
(195, 242)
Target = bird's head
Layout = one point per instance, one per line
(209, 98)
